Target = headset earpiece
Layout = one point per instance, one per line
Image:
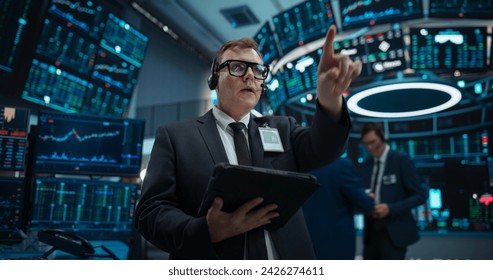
(212, 81)
(264, 89)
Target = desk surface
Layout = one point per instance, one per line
(21, 251)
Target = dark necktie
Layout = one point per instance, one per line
(255, 238)
(375, 180)
(241, 146)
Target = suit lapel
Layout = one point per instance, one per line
(208, 129)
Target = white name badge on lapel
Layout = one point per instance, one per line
(271, 141)
(389, 179)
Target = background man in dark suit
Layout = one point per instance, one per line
(329, 212)
(185, 153)
(395, 185)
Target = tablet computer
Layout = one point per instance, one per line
(237, 184)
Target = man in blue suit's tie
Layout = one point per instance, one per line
(395, 185)
(185, 153)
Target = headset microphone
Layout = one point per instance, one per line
(264, 88)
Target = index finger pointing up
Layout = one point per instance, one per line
(328, 48)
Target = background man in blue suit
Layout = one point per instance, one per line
(395, 184)
(329, 213)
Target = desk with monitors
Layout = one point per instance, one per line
(84, 178)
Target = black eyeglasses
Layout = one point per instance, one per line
(238, 68)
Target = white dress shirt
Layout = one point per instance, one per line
(382, 159)
(226, 133)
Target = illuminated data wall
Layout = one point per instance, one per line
(276, 94)
(86, 61)
(95, 209)
(15, 16)
(267, 44)
(13, 137)
(303, 23)
(11, 208)
(362, 13)
(379, 53)
(474, 9)
(71, 143)
(448, 48)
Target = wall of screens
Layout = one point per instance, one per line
(472, 9)
(16, 19)
(12, 208)
(82, 144)
(381, 52)
(46, 174)
(13, 137)
(14, 123)
(359, 13)
(86, 61)
(276, 94)
(448, 48)
(94, 209)
(267, 44)
(303, 23)
(394, 50)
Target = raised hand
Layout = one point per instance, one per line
(335, 73)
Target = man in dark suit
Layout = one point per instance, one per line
(185, 153)
(395, 185)
(329, 212)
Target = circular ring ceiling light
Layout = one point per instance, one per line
(403, 100)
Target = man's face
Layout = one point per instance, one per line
(373, 143)
(238, 95)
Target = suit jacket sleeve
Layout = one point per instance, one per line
(414, 193)
(323, 142)
(162, 217)
(352, 188)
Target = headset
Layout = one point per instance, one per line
(212, 81)
(213, 78)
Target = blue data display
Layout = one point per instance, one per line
(114, 72)
(12, 29)
(276, 94)
(123, 40)
(13, 137)
(85, 53)
(448, 48)
(12, 215)
(63, 46)
(71, 143)
(267, 44)
(94, 209)
(303, 23)
(380, 53)
(472, 9)
(88, 16)
(367, 13)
